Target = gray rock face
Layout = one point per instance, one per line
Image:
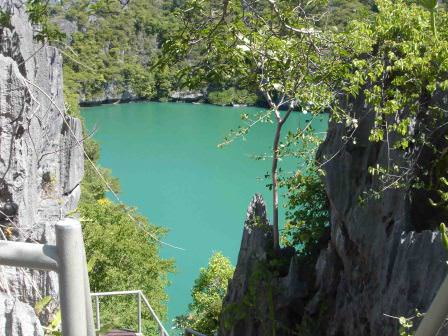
(187, 96)
(41, 164)
(262, 296)
(256, 241)
(376, 263)
(111, 93)
(384, 256)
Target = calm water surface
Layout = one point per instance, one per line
(166, 157)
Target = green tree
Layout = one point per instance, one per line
(208, 292)
(112, 47)
(39, 15)
(396, 63)
(123, 255)
(342, 12)
(232, 96)
(163, 80)
(266, 46)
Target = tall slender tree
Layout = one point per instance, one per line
(266, 46)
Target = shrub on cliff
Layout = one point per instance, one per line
(307, 214)
(208, 292)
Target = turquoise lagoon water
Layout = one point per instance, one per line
(166, 157)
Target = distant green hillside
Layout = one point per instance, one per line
(111, 48)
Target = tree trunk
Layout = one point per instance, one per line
(275, 185)
(275, 152)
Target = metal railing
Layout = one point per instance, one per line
(435, 317)
(140, 297)
(191, 332)
(67, 258)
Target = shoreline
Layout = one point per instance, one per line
(143, 100)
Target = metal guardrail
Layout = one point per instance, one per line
(191, 332)
(67, 258)
(140, 298)
(436, 316)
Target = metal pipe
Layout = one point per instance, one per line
(29, 255)
(437, 313)
(189, 332)
(115, 293)
(98, 321)
(87, 298)
(71, 277)
(141, 297)
(139, 311)
(154, 315)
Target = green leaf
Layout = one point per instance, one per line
(444, 235)
(41, 304)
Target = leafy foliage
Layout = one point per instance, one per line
(252, 47)
(208, 292)
(232, 96)
(307, 212)
(342, 12)
(5, 19)
(53, 329)
(124, 256)
(113, 47)
(39, 15)
(406, 326)
(397, 64)
(444, 235)
(117, 46)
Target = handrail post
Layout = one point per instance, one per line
(72, 287)
(139, 309)
(87, 299)
(98, 320)
(141, 298)
(67, 258)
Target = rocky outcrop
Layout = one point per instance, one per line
(255, 244)
(187, 96)
(114, 93)
(41, 163)
(384, 257)
(111, 93)
(268, 289)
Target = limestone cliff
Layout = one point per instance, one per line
(268, 292)
(384, 256)
(41, 164)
